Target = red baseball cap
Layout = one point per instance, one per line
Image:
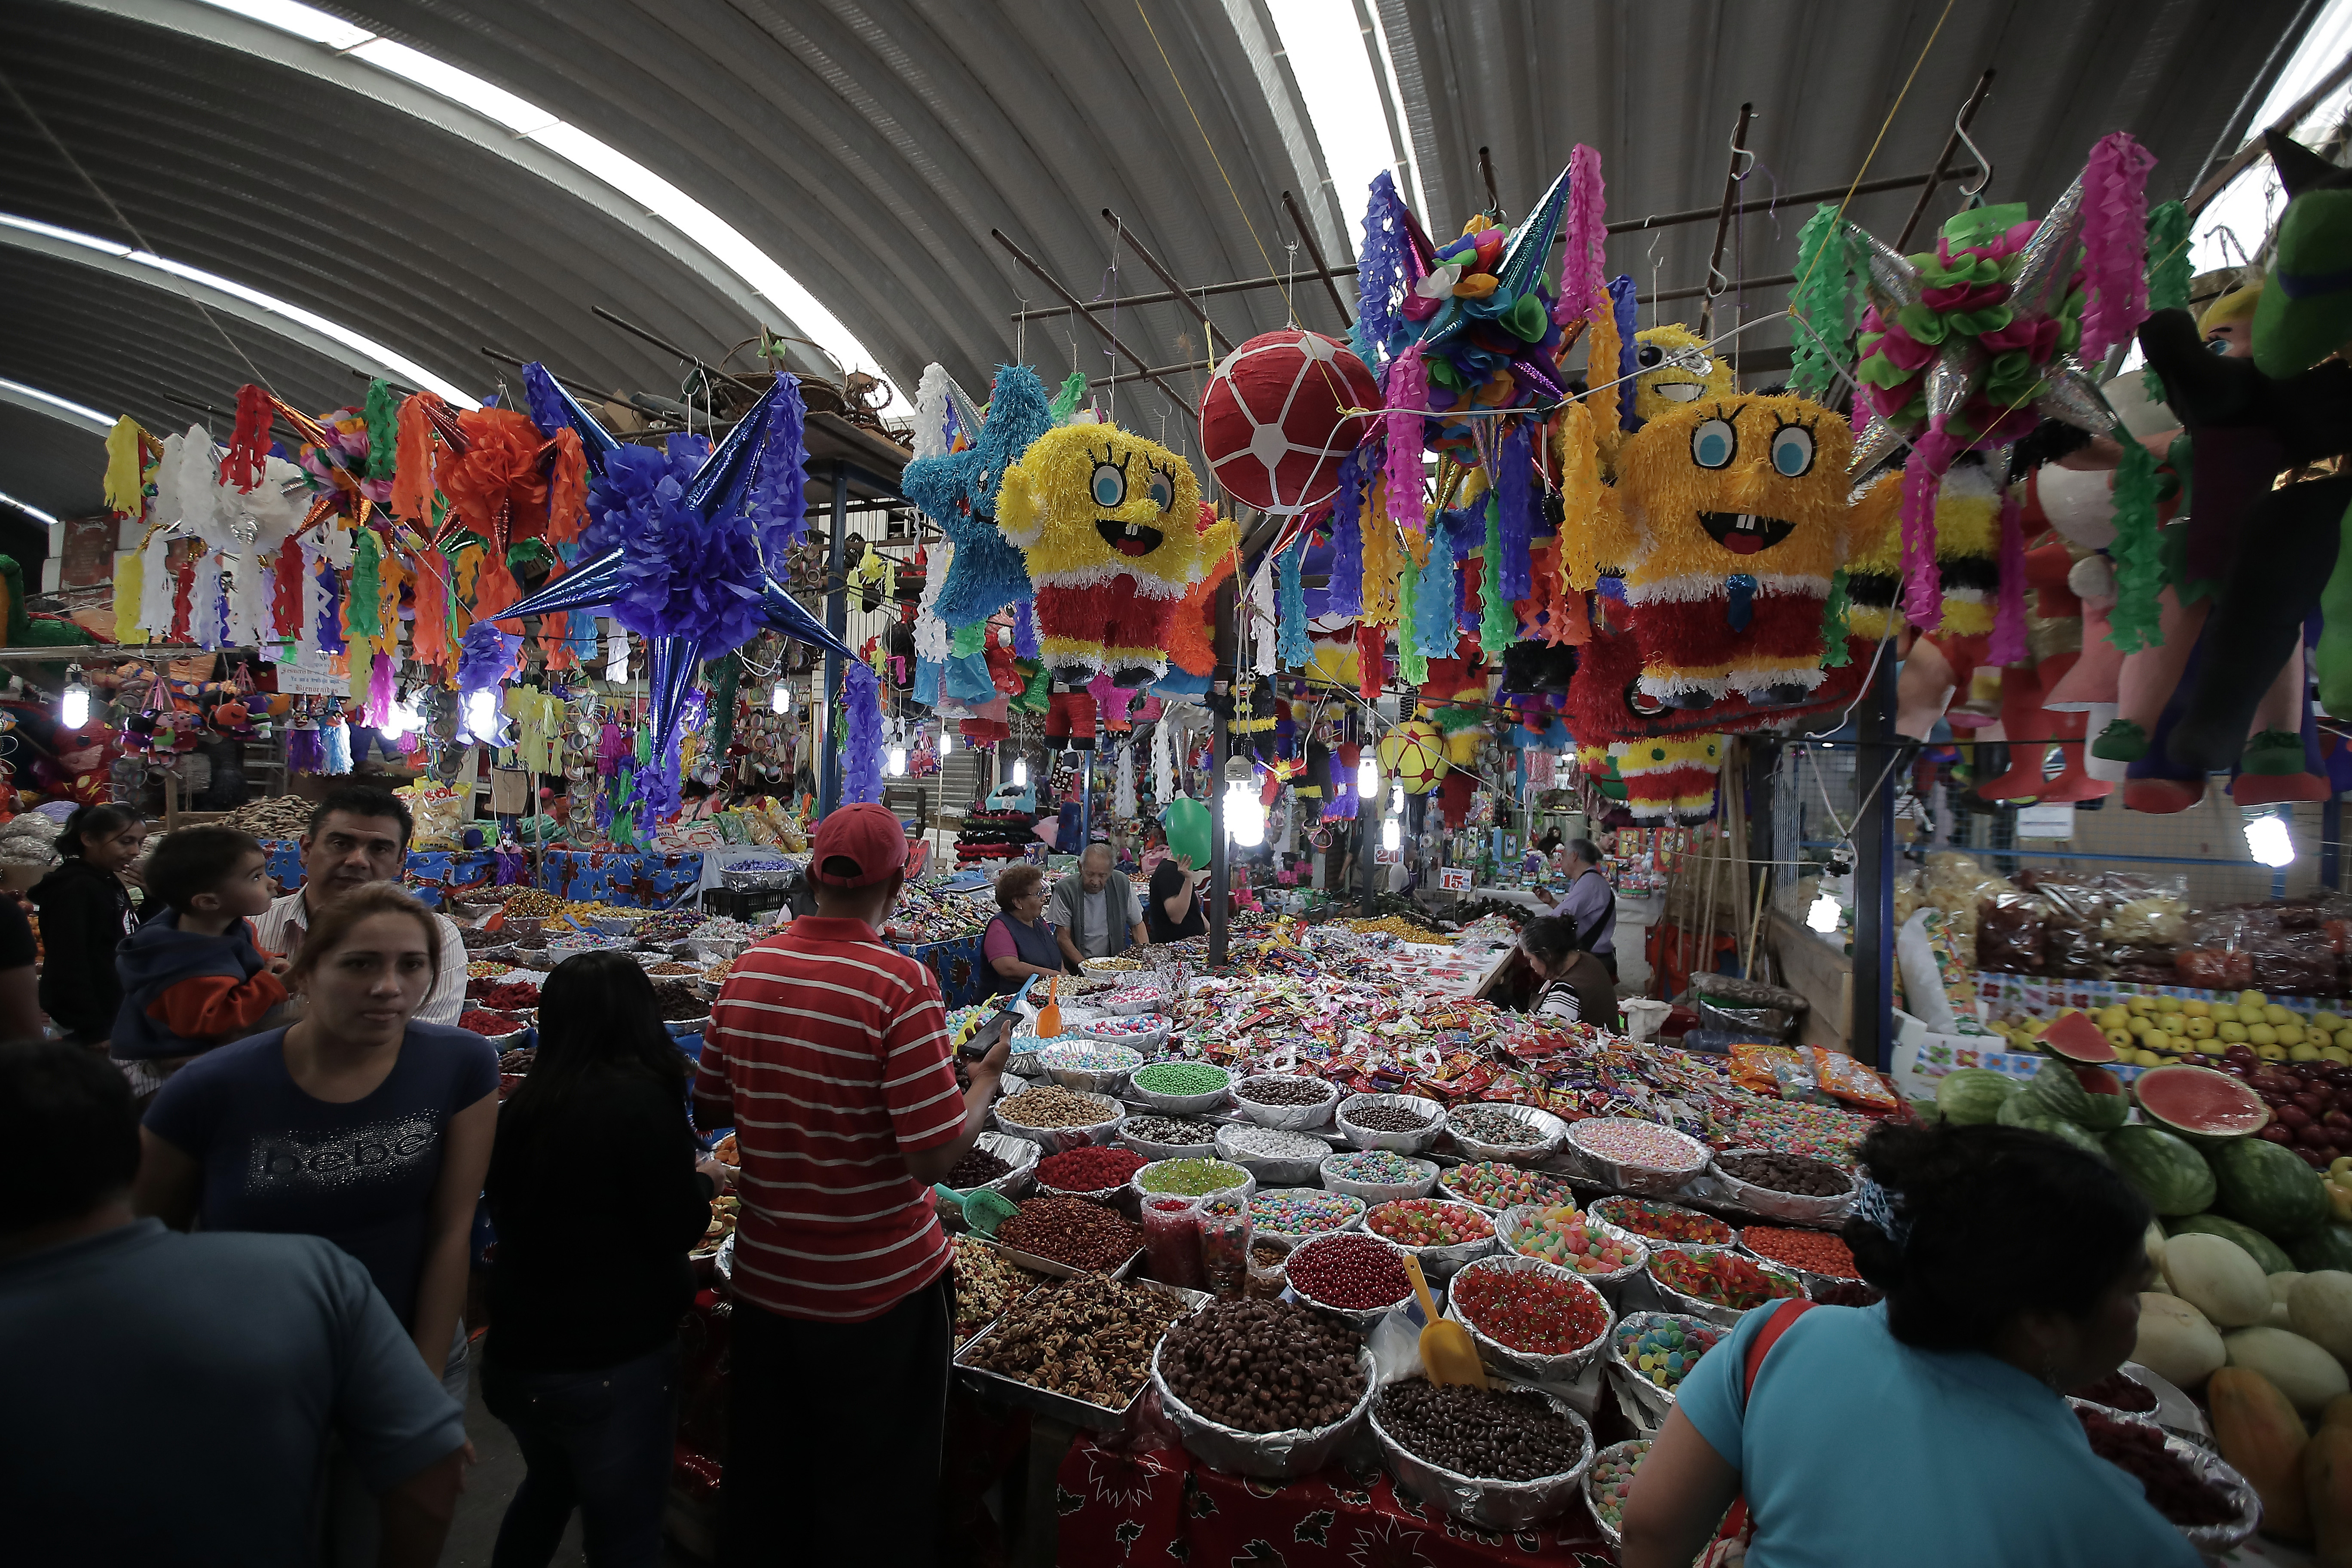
(868, 836)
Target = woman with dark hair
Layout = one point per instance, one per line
(1550, 973)
(1020, 941)
(597, 1192)
(86, 912)
(2011, 1265)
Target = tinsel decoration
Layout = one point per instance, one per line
(1292, 649)
(412, 480)
(2169, 272)
(364, 593)
(1123, 804)
(2008, 644)
(1433, 600)
(2132, 625)
(1407, 397)
(1514, 492)
(657, 793)
(1381, 271)
(1584, 262)
(248, 449)
(1347, 579)
(1497, 627)
(382, 416)
(1064, 404)
(776, 505)
(861, 733)
(1822, 303)
(2115, 242)
(1834, 613)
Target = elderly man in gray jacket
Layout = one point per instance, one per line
(1094, 912)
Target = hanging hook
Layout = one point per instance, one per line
(1975, 193)
(1738, 151)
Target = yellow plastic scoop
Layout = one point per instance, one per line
(1447, 1352)
(1049, 1017)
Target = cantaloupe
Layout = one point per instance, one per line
(2176, 1341)
(2258, 1431)
(2320, 1309)
(2308, 1375)
(2217, 1278)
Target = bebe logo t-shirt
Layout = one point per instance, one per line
(361, 1174)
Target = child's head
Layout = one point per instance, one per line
(210, 872)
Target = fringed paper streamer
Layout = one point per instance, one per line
(1601, 353)
(567, 486)
(204, 606)
(183, 586)
(1824, 302)
(2115, 241)
(130, 578)
(2133, 625)
(1581, 498)
(2009, 618)
(494, 586)
(286, 589)
(380, 692)
(126, 485)
(1407, 397)
(412, 480)
(861, 731)
(1379, 271)
(1025, 629)
(930, 632)
(155, 586)
(1433, 600)
(1346, 578)
(430, 637)
(1625, 305)
(1262, 622)
(1922, 477)
(2169, 272)
(1163, 764)
(1371, 660)
(364, 594)
(331, 620)
(248, 447)
(1584, 263)
(1835, 611)
(775, 504)
(1064, 404)
(932, 412)
(1292, 649)
(383, 415)
(1497, 627)
(306, 750)
(390, 578)
(1383, 558)
(1515, 491)
(1123, 804)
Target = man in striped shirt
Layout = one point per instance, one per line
(828, 1051)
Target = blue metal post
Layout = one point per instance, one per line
(1873, 1037)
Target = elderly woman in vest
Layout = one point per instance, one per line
(1020, 941)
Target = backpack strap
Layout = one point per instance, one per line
(1784, 1313)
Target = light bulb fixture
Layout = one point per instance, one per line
(1244, 813)
(1020, 772)
(898, 762)
(73, 702)
(780, 699)
(1396, 800)
(2268, 841)
(482, 713)
(1368, 776)
(1392, 833)
(401, 719)
(947, 742)
(1823, 915)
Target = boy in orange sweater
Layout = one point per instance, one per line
(192, 977)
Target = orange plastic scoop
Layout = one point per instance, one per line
(1447, 1352)
(1049, 1017)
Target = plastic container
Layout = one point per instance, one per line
(1225, 1247)
(1172, 1241)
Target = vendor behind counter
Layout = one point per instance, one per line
(1549, 973)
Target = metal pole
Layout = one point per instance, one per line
(2331, 843)
(837, 621)
(1074, 302)
(1722, 220)
(1315, 254)
(1086, 799)
(1951, 145)
(1222, 682)
(1144, 254)
(1873, 1039)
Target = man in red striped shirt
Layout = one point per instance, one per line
(828, 1051)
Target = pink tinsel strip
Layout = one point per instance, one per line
(2009, 618)
(379, 701)
(1408, 397)
(1923, 479)
(2115, 243)
(1584, 265)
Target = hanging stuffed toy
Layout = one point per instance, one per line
(1670, 779)
(1673, 366)
(1110, 525)
(957, 487)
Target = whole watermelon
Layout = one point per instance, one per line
(2058, 1127)
(2058, 1091)
(1970, 1097)
(2268, 1186)
(2329, 1247)
(2272, 1258)
(2173, 1177)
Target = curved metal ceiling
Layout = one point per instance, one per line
(870, 146)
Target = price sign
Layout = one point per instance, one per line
(1455, 880)
(1388, 857)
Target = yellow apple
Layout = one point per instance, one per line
(2147, 1059)
(2303, 1053)
(2262, 1034)
(2273, 1015)
(2231, 1033)
(2199, 1029)
(2326, 1020)
(2210, 1046)
(2290, 1034)
(2176, 1023)
(2197, 1007)
(2335, 1054)
(2271, 1053)
(2252, 999)
(2139, 1003)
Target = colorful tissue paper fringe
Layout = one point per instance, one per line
(2133, 625)
(861, 769)
(1407, 398)
(1291, 647)
(2114, 240)
(1514, 492)
(1347, 590)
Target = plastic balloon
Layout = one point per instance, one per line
(1187, 821)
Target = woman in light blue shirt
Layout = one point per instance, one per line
(1931, 1429)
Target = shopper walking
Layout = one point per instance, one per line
(597, 1192)
(170, 1397)
(357, 1123)
(2012, 1264)
(86, 912)
(1019, 941)
(828, 1051)
(1592, 903)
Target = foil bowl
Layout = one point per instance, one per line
(1020, 1154)
(1239, 1193)
(1628, 1176)
(1714, 1312)
(1445, 1189)
(1108, 1029)
(1614, 1534)
(1268, 1455)
(1374, 1193)
(1498, 1505)
(1510, 1225)
(1157, 1152)
(2211, 1539)
(1362, 1317)
(1065, 1065)
(1649, 1403)
(1612, 1211)
(1441, 1262)
(1055, 1139)
(1180, 1104)
(1295, 1238)
(1549, 1131)
(1273, 1170)
(1815, 1283)
(1413, 1142)
(1290, 1118)
(1535, 1366)
(1802, 1208)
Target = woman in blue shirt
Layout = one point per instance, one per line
(1930, 1429)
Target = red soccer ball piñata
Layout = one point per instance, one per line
(1272, 420)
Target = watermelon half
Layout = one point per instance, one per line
(2074, 1035)
(2200, 1100)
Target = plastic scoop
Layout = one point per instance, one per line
(982, 1210)
(1447, 1352)
(1049, 1017)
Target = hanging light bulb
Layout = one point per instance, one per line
(898, 762)
(780, 699)
(1244, 813)
(1392, 833)
(1396, 800)
(1368, 776)
(401, 719)
(2268, 841)
(1823, 915)
(1020, 772)
(73, 703)
(482, 713)
(947, 742)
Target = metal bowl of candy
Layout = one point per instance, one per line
(1144, 1031)
(1362, 1317)
(748, 876)
(1269, 1455)
(1379, 1176)
(1656, 1225)
(686, 1028)
(1519, 1133)
(1720, 1286)
(505, 1037)
(514, 926)
(1537, 1366)
(1140, 998)
(1648, 1354)
(615, 925)
(1609, 1482)
(1495, 1185)
(1486, 1502)
(1396, 1222)
(2229, 1493)
(1817, 1283)
(1201, 1138)
(1018, 1152)
(1054, 1140)
(1391, 1108)
(1522, 1231)
(1175, 1179)
(1803, 1208)
(1295, 1214)
(1637, 1156)
(1276, 1157)
(1186, 1104)
(1094, 1066)
(1294, 1116)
